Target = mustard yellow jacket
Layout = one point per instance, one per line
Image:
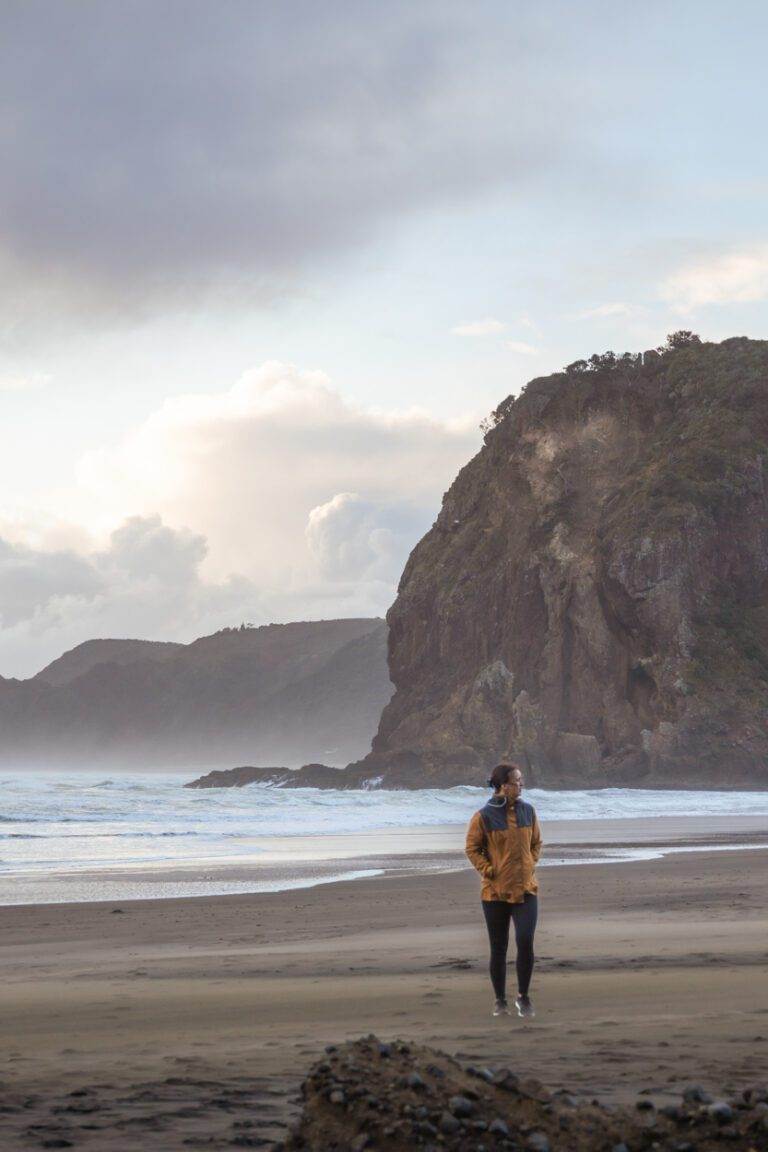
(504, 845)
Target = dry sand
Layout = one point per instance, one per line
(189, 1023)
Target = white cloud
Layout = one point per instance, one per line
(526, 322)
(275, 499)
(245, 466)
(521, 348)
(487, 327)
(602, 310)
(24, 382)
(731, 278)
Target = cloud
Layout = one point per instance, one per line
(274, 499)
(730, 278)
(145, 547)
(604, 310)
(30, 580)
(350, 538)
(487, 327)
(521, 348)
(145, 583)
(24, 383)
(244, 467)
(159, 158)
(526, 322)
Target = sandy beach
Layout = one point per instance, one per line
(190, 1023)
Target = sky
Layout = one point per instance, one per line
(265, 266)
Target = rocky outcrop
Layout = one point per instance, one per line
(593, 597)
(369, 1094)
(308, 776)
(281, 694)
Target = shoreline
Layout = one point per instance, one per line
(292, 863)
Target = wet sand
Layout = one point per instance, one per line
(189, 1023)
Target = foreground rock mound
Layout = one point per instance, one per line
(593, 597)
(399, 1096)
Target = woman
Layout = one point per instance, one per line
(504, 845)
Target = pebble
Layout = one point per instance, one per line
(537, 1142)
(506, 1079)
(481, 1073)
(461, 1106)
(721, 1112)
(385, 1050)
(449, 1124)
(337, 1097)
(620, 1148)
(568, 1100)
(498, 1127)
(413, 1080)
(360, 1142)
(695, 1094)
(645, 1106)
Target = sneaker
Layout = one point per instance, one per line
(524, 1006)
(501, 1008)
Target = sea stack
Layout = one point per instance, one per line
(593, 596)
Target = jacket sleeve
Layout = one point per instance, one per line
(477, 847)
(536, 841)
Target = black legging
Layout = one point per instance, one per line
(498, 914)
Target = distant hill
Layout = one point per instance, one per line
(283, 693)
(80, 660)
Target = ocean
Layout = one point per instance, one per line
(79, 835)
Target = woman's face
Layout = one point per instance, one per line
(514, 785)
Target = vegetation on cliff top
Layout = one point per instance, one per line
(707, 403)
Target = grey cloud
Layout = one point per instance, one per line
(144, 546)
(30, 579)
(146, 584)
(158, 152)
(350, 538)
(143, 551)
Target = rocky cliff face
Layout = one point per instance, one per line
(593, 597)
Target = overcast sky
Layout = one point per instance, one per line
(265, 266)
